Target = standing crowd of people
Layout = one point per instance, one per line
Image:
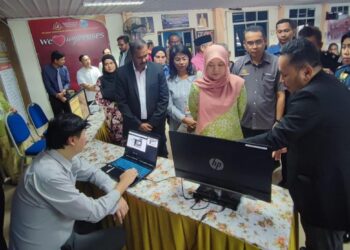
(291, 96)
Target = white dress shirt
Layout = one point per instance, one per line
(141, 86)
(46, 202)
(122, 59)
(89, 76)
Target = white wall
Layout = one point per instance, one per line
(29, 62)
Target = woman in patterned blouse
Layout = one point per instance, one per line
(105, 98)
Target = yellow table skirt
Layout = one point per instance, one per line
(154, 228)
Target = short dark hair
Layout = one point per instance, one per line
(311, 31)
(255, 28)
(149, 43)
(61, 128)
(136, 45)
(56, 55)
(81, 57)
(333, 44)
(292, 23)
(300, 52)
(173, 52)
(125, 38)
(174, 34)
(346, 35)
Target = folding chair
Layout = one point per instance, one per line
(38, 118)
(21, 137)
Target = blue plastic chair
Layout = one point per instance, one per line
(20, 133)
(38, 118)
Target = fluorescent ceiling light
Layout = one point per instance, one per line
(99, 4)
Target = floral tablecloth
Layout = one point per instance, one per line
(266, 225)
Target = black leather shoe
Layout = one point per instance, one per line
(302, 248)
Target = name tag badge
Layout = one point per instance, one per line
(244, 72)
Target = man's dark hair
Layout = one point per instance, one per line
(292, 23)
(255, 28)
(136, 45)
(125, 38)
(174, 34)
(81, 57)
(173, 52)
(61, 128)
(346, 35)
(311, 31)
(150, 43)
(300, 52)
(56, 55)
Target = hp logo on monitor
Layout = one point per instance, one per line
(216, 164)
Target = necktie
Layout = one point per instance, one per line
(59, 80)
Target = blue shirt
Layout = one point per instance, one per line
(46, 202)
(166, 71)
(49, 74)
(343, 75)
(179, 90)
(274, 49)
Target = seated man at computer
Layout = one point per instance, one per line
(46, 202)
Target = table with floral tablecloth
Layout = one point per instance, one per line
(161, 217)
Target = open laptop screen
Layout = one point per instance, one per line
(78, 105)
(142, 146)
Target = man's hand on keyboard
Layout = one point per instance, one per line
(126, 179)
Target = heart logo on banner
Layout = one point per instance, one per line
(59, 40)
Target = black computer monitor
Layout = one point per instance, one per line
(236, 167)
(78, 104)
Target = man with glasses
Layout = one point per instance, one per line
(265, 94)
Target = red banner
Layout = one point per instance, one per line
(73, 37)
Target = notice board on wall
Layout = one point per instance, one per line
(8, 81)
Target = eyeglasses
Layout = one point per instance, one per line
(256, 42)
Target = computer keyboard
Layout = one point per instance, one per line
(125, 164)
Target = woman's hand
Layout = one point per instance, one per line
(191, 124)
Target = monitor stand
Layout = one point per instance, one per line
(218, 196)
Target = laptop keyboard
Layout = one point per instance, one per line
(125, 164)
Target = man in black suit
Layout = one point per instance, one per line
(315, 131)
(124, 47)
(142, 95)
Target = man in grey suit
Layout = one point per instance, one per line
(142, 95)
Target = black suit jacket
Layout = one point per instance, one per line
(316, 130)
(128, 58)
(157, 97)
